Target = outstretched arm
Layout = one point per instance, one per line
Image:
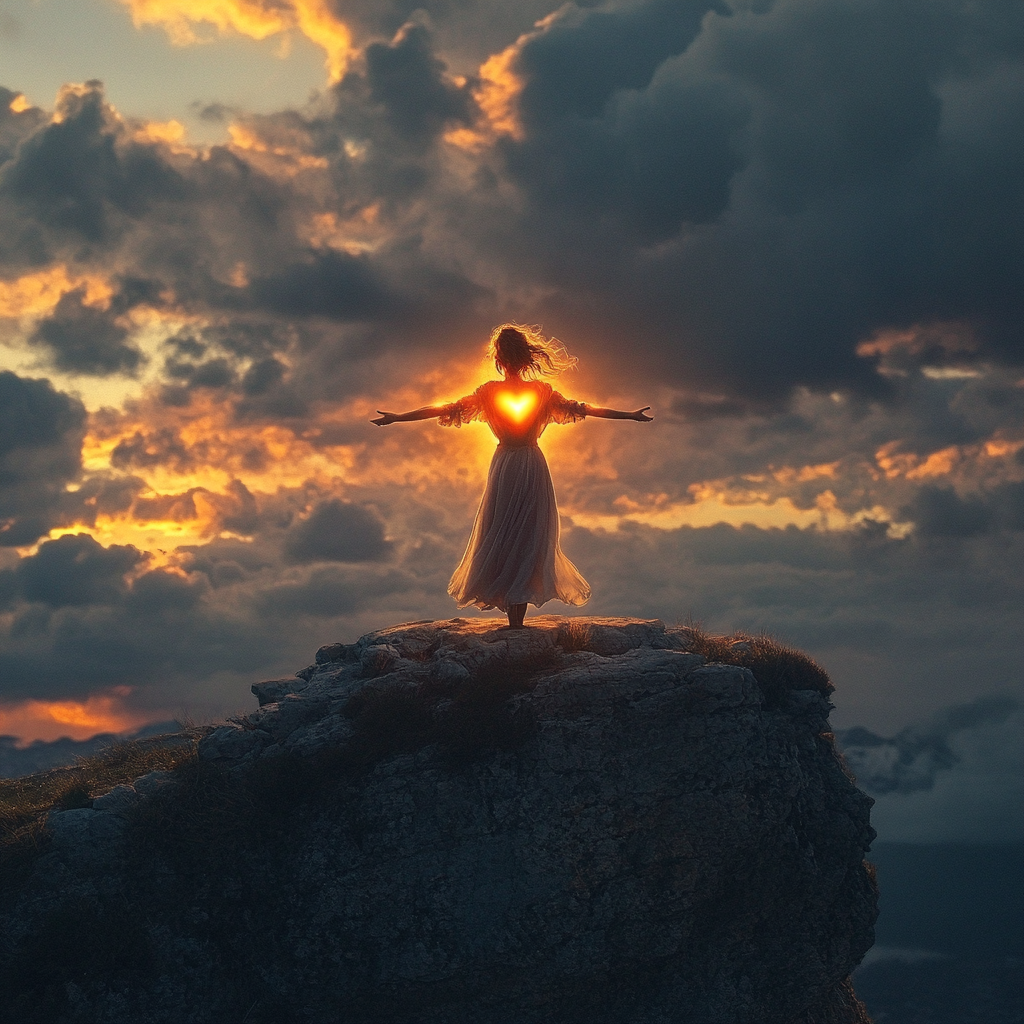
(428, 412)
(640, 415)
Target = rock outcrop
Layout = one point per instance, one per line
(450, 821)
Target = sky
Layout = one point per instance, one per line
(230, 230)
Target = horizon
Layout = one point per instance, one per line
(794, 229)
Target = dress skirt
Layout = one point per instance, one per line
(513, 555)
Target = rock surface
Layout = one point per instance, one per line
(452, 821)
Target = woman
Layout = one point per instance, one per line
(513, 558)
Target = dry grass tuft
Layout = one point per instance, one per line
(25, 802)
(573, 636)
(777, 668)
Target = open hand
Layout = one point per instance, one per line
(641, 415)
(385, 418)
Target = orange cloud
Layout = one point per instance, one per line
(895, 463)
(78, 720)
(167, 132)
(939, 463)
(789, 474)
(257, 19)
(499, 89)
(36, 294)
(289, 159)
(19, 104)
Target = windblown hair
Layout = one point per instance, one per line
(524, 350)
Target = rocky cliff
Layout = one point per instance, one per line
(584, 820)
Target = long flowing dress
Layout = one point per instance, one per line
(513, 556)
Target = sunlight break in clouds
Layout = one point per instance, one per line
(77, 720)
(37, 293)
(253, 18)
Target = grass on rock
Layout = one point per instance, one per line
(777, 668)
(25, 802)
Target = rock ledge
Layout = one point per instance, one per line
(581, 821)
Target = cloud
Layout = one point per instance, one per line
(85, 339)
(254, 18)
(940, 512)
(73, 178)
(912, 759)
(75, 570)
(409, 81)
(41, 433)
(800, 166)
(338, 531)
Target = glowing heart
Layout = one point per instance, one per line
(517, 407)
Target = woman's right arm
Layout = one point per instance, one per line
(428, 412)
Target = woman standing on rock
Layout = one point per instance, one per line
(513, 557)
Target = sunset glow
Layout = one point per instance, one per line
(37, 293)
(77, 720)
(184, 22)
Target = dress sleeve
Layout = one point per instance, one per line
(564, 410)
(465, 410)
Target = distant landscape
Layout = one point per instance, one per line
(949, 945)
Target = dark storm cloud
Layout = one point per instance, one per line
(72, 178)
(330, 284)
(41, 433)
(14, 126)
(409, 81)
(262, 376)
(86, 340)
(172, 228)
(911, 760)
(330, 592)
(338, 531)
(163, 447)
(79, 618)
(810, 170)
(746, 192)
(76, 570)
(941, 512)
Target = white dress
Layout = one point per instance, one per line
(513, 556)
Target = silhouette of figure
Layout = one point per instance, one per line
(513, 557)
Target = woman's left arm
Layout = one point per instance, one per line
(640, 415)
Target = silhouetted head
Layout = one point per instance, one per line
(523, 351)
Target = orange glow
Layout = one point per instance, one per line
(19, 104)
(355, 235)
(253, 18)
(999, 448)
(517, 406)
(318, 24)
(895, 463)
(78, 720)
(788, 474)
(713, 508)
(244, 138)
(498, 95)
(160, 131)
(36, 294)
(938, 463)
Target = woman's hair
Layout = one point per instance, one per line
(524, 350)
